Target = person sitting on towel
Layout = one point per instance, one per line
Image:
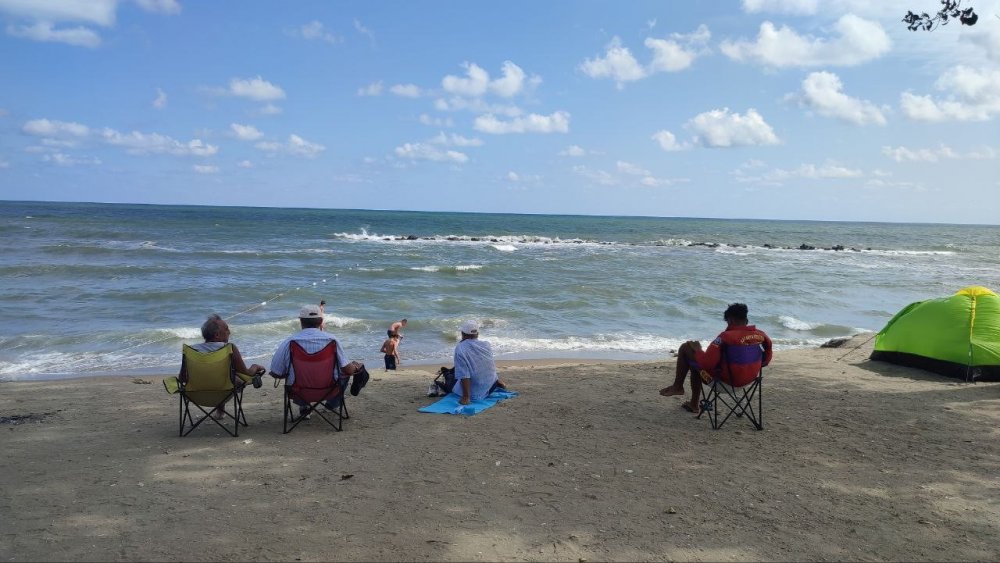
(475, 369)
(691, 358)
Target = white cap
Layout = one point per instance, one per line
(470, 327)
(310, 312)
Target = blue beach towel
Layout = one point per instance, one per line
(449, 403)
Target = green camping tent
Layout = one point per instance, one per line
(957, 336)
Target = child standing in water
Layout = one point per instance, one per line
(391, 350)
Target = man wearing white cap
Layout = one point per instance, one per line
(312, 339)
(475, 369)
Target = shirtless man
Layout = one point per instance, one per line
(391, 350)
(396, 328)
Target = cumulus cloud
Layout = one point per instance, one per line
(823, 92)
(618, 64)
(60, 159)
(55, 128)
(424, 151)
(476, 82)
(316, 31)
(296, 146)
(160, 6)
(98, 12)
(557, 122)
(855, 41)
(245, 132)
(672, 54)
(778, 176)
(456, 140)
(798, 7)
(942, 152)
(631, 169)
(205, 168)
(477, 105)
(602, 177)
(161, 99)
(269, 109)
(573, 151)
(256, 89)
(155, 143)
(668, 141)
(45, 31)
(971, 95)
(435, 121)
(244, 164)
(373, 89)
(987, 39)
(406, 90)
(720, 128)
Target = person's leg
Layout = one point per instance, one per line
(694, 405)
(685, 357)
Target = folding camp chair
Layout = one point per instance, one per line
(735, 397)
(317, 381)
(208, 379)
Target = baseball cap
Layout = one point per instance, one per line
(470, 327)
(310, 312)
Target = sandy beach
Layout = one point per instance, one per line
(858, 460)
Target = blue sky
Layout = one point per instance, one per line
(780, 109)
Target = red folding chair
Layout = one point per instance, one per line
(317, 382)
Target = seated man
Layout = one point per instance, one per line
(215, 331)
(704, 365)
(475, 370)
(312, 340)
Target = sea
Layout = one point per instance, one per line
(115, 289)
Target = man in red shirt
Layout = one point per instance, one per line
(746, 347)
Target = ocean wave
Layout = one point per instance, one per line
(796, 324)
(448, 269)
(600, 343)
(510, 243)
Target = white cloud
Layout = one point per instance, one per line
(823, 92)
(987, 39)
(54, 128)
(373, 89)
(364, 30)
(557, 122)
(160, 6)
(972, 95)
(406, 90)
(800, 7)
(456, 140)
(720, 128)
(436, 121)
(205, 169)
(154, 143)
(315, 30)
(601, 177)
(513, 176)
(161, 99)
(631, 169)
(512, 82)
(856, 41)
(942, 152)
(44, 31)
(668, 141)
(269, 109)
(424, 151)
(99, 12)
(777, 176)
(674, 54)
(256, 89)
(475, 105)
(60, 159)
(473, 86)
(296, 146)
(617, 64)
(244, 164)
(245, 132)
(573, 151)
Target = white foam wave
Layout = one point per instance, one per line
(426, 268)
(468, 267)
(796, 324)
(625, 342)
(505, 247)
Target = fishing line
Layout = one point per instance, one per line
(858, 346)
(275, 297)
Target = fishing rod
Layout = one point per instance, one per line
(858, 346)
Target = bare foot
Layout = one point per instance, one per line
(692, 409)
(671, 391)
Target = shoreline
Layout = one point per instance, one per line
(858, 460)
